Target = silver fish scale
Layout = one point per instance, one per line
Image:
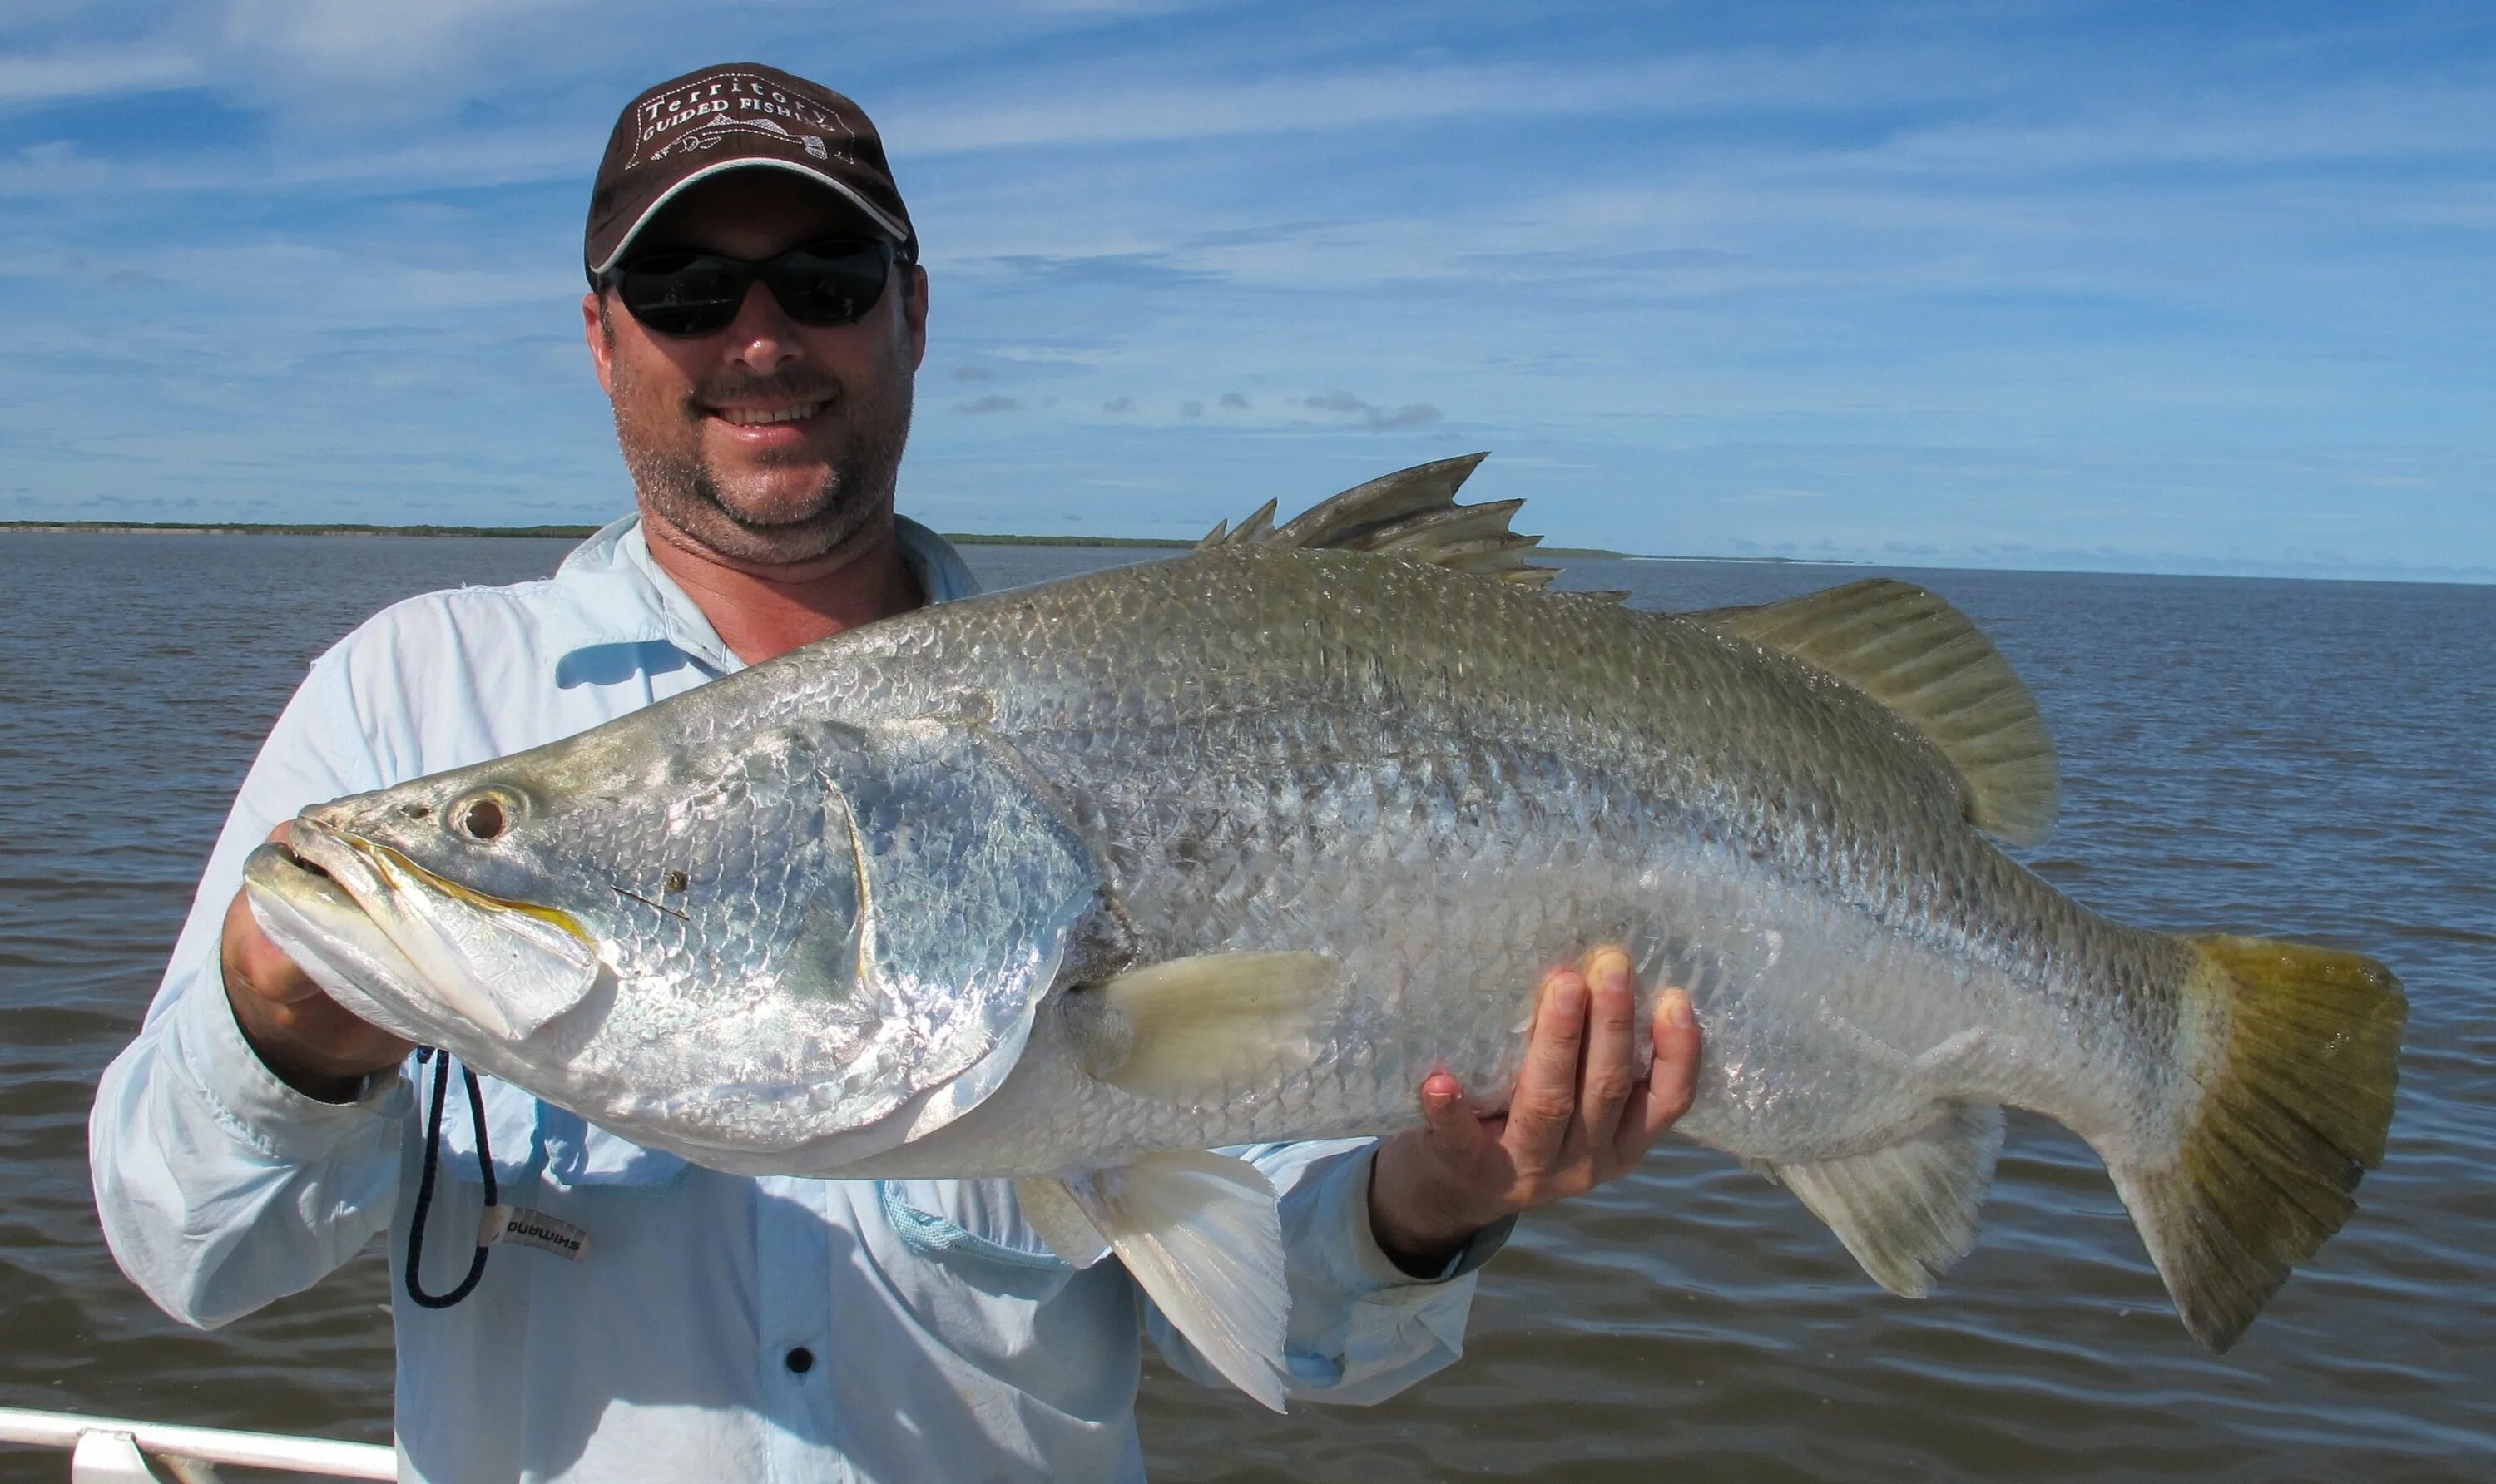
(1443, 784)
(1449, 786)
(732, 872)
(785, 962)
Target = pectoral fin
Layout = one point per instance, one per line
(1203, 1235)
(1190, 1027)
(1909, 1212)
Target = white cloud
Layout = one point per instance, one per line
(2362, 121)
(1936, 280)
(361, 66)
(478, 160)
(1367, 413)
(1114, 109)
(31, 81)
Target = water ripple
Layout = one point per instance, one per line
(2237, 754)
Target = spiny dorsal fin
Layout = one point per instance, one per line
(1410, 514)
(1923, 659)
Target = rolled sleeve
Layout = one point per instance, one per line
(235, 1088)
(220, 1187)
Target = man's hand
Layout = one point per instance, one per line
(1580, 1116)
(307, 1038)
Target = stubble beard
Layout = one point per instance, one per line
(858, 487)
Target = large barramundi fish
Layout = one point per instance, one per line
(1074, 883)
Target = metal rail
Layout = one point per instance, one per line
(116, 1450)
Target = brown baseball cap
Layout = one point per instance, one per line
(739, 115)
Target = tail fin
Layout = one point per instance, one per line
(2296, 1095)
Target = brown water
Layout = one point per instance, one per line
(2298, 758)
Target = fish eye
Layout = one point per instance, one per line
(482, 817)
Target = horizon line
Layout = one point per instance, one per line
(553, 531)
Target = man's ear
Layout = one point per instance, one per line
(914, 313)
(602, 339)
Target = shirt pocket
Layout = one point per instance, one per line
(974, 1232)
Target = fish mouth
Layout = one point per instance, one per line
(322, 930)
(417, 946)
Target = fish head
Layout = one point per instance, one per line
(819, 937)
(446, 905)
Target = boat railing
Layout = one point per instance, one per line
(116, 1450)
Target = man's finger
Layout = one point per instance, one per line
(1670, 1082)
(1612, 1047)
(1455, 1123)
(1546, 1103)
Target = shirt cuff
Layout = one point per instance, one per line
(254, 1102)
(1375, 1267)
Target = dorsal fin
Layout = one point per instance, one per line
(1925, 661)
(1410, 514)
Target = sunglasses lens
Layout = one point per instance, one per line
(829, 283)
(683, 293)
(699, 293)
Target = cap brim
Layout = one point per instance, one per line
(885, 222)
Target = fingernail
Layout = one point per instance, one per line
(1611, 969)
(1676, 1008)
(1568, 995)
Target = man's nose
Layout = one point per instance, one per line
(762, 337)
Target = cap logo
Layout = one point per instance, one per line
(725, 117)
(732, 101)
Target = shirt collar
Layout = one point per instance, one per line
(615, 593)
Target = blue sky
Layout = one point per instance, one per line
(2140, 286)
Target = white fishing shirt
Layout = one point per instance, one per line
(715, 1326)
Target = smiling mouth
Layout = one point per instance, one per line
(767, 417)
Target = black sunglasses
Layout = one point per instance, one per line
(688, 293)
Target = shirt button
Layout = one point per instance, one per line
(800, 1360)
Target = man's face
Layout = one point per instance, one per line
(701, 418)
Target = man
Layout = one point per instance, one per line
(756, 315)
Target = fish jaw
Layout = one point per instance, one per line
(320, 928)
(445, 961)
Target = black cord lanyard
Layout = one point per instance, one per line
(424, 1179)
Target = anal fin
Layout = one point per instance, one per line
(1203, 1236)
(1908, 1212)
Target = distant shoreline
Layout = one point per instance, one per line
(535, 533)
(248, 528)
(1173, 543)
(581, 533)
